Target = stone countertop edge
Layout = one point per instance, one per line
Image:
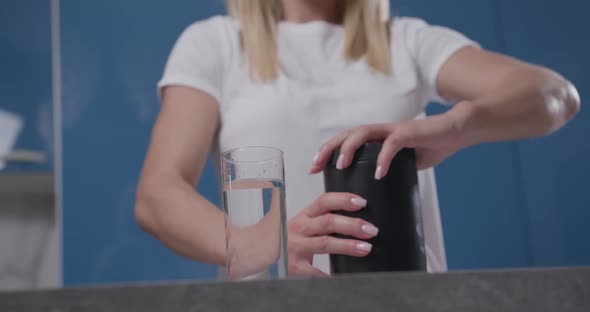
(538, 290)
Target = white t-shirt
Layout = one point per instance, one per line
(317, 95)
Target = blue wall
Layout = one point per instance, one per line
(518, 204)
(555, 169)
(113, 53)
(503, 205)
(25, 75)
(480, 197)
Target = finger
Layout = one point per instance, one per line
(391, 146)
(306, 270)
(336, 224)
(336, 246)
(329, 202)
(358, 137)
(325, 152)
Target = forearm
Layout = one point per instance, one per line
(186, 222)
(530, 102)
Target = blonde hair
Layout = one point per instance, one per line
(366, 33)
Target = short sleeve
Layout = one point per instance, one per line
(196, 60)
(430, 47)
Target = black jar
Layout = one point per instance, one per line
(393, 206)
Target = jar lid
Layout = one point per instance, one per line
(368, 152)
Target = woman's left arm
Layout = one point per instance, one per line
(500, 98)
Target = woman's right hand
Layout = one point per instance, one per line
(309, 232)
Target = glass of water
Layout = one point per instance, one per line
(254, 205)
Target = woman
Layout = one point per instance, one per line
(308, 76)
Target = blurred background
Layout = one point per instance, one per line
(78, 100)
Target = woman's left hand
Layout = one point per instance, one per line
(434, 139)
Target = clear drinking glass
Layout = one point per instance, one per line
(254, 204)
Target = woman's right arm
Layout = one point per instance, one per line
(167, 205)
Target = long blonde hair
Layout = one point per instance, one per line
(366, 34)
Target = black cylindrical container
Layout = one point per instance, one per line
(393, 205)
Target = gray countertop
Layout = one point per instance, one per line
(538, 290)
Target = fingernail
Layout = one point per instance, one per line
(357, 201)
(340, 162)
(370, 229)
(364, 247)
(379, 173)
(315, 158)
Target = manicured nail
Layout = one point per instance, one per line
(379, 173)
(357, 201)
(370, 229)
(364, 247)
(315, 158)
(340, 162)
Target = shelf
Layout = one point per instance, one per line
(26, 183)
